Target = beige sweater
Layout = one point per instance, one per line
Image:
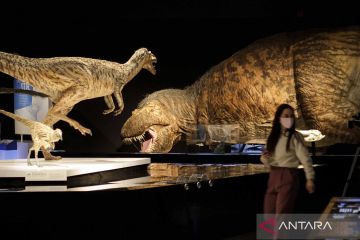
(298, 153)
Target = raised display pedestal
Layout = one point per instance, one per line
(72, 172)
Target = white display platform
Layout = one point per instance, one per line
(59, 170)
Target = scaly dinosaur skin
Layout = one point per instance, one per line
(316, 72)
(70, 80)
(42, 135)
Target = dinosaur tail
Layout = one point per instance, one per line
(16, 117)
(19, 67)
(23, 91)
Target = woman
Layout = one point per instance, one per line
(285, 150)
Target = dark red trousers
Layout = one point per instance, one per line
(281, 193)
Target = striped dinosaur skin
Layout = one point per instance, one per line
(317, 72)
(70, 80)
(42, 135)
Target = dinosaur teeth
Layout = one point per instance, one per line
(145, 140)
(136, 139)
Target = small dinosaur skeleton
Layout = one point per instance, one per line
(70, 80)
(42, 135)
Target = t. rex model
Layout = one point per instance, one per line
(317, 72)
(42, 135)
(70, 80)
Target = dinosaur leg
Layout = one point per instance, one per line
(75, 124)
(328, 93)
(28, 156)
(36, 151)
(119, 99)
(110, 104)
(48, 156)
(50, 121)
(60, 110)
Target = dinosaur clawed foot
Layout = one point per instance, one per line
(49, 156)
(117, 112)
(107, 111)
(29, 163)
(83, 130)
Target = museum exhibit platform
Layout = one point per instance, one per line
(175, 196)
(71, 172)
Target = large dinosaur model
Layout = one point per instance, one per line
(70, 80)
(317, 72)
(42, 135)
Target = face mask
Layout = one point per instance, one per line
(287, 122)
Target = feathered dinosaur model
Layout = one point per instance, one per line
(317, 72)
(70, 80)
(42, 135)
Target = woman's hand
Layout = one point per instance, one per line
(266, 155)
(264, 158)
(310, 186)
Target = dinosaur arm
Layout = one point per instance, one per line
(59, 111)
(71, 122)
(110, 104)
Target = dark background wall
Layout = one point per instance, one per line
(188, 37)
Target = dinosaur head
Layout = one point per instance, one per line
(148, 58)
(57, 135)
(153, 127)
(154, 124)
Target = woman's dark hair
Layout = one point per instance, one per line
(276, 129)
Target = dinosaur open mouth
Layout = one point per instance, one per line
(153, 61)
(152, 64)
(149, 138)
(145, 140)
